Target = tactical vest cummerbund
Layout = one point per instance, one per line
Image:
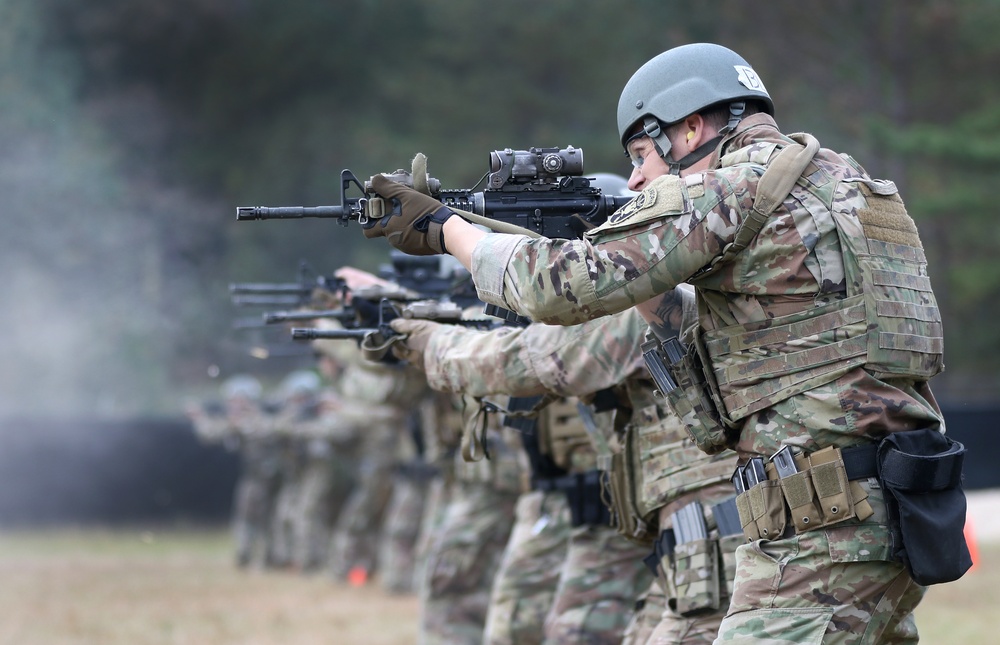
(663, 463)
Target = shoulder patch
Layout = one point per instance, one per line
(663, 196)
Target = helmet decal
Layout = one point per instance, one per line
(748, 78)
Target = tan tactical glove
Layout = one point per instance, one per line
(412, 222)
(418, 334)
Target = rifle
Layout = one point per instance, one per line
(345, 315)
(376, 340)
(432, 276)
(286, 294)
(540, 191)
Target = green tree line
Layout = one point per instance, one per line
(134, 127)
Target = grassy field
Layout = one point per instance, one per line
(157, 588)
(173, 587)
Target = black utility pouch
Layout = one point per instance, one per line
(921, 474)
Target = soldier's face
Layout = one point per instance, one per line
(647, 163)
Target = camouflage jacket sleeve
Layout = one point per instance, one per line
(538, 359)
(673, 228)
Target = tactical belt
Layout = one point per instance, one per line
(797, 493)
(583, 493)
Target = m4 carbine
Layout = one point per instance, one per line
(542, 191)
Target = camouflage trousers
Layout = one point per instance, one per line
(438, 495)
(525, 586)
(324, 485)
(253, 505)
(600, 581)
(400, 530)
(283, 520)
(463, 557)
(832, 586)
(655, 623)
(354, 539)
(561, 584)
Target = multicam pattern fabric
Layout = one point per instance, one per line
(663, 463)
(354, 539)
(804, 589)
(826, 586)
(463, 557)
(601, 574)
(397, 553)
(526, 582)
(646, 615)
(537, 359)
(795, 263)
(600, 581)
(464, 539)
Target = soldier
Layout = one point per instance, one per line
(296, 403)
(242, 426)
(465, 550)
(410, 476)
(377, 398)
(566, 575)
(328, 444)
(818, 333)
(473, 513)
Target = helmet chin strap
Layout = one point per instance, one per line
(693, 157)
(736, 110)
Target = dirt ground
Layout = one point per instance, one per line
(179, 586)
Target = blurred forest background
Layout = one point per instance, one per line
(131, 129)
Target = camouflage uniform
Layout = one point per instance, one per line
(329, 445)
(404, 513)
(439, 442)
(290, 462)
(256, 489)
(465, 549)
(525, 585)
(375, 397)
(237, 424)
(836, 584)
(559, 582)
(242, 424)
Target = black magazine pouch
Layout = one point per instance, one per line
(921, 474)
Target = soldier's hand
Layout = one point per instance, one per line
(418, 334)
(411, 221)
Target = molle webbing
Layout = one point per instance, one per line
(906, 336)
(889, 323)
(759, 364)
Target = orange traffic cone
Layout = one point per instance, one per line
(970, 540)
(357, 576)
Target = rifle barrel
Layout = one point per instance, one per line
(316, 334)
(287, 212)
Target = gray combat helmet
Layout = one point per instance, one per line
(300, 383)
(682, 81)
(241, 386)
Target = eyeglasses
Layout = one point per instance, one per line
(636, 158)
(650, 128)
